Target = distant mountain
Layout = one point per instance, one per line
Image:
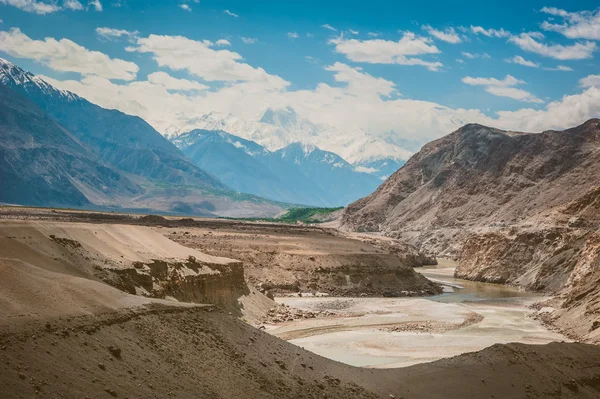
(158, 175)
(41, 163)
(298, 173)
(277, 128)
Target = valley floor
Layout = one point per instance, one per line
(65, 332)
(398, 332)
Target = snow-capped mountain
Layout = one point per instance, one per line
(14, 77)
(299, 173)
(275, 129)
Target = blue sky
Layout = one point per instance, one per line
(310, 43)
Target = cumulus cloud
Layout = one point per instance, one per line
(378, 51)
(73, 5)
(234, 15)
(360, 83)
(222, 42)
(44, 7)
(167, 81)
(577, 51)
(590, 81)
(112, 34)
(292, 35)
(576, 25)
(517, 59)
(96, 5)
(503, 88)
(65, 55)
(358, 102)
(448, 35)
(185, 7)
(200, 58)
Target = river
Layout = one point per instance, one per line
(398, 332)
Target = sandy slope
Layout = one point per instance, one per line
(64, 333)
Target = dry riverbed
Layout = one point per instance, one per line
(398, 332)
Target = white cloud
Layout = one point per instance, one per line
(65, 55)
(327, 26)
(223, 42)
(503, 88)
(96, 5)
(506, 82)
(590, 81)
(460, 61)
(292, 35)
(201, 59)
(449, 35)
(249, 40)
(234, 15)
(361, 83)
(43, 7)
(576, 25)
(514, 93)
(167, 81)
(378, 51)
(476, 55)
(354, 32)
(73, 5)
(559, 68)
(576, 51)
(364, 169)
(185, 7)
(517, 59)
(489, 32)
(111, 34)
(373, 34)
(347, 107)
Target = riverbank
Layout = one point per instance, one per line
(399, 332)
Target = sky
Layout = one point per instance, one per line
(418, 69)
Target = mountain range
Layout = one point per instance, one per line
(59, 149)
(297, 173)
(278, 128)
(102, 158)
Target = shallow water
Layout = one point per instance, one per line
(457, 321)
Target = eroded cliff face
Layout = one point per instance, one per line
(284, 260)
(134, 259)
(557, 253)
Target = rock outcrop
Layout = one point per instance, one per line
(479, 177)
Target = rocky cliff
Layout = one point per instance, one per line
(513, 208)
(479, 177)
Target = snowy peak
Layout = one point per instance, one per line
(281, 117)
(16, 78)
(197, 136)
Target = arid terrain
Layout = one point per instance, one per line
(103, 305)
(512, 208)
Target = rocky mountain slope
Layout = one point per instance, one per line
(514, 208)
(156, 174)
(41, 163)
(297, 173)
(480, 177)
